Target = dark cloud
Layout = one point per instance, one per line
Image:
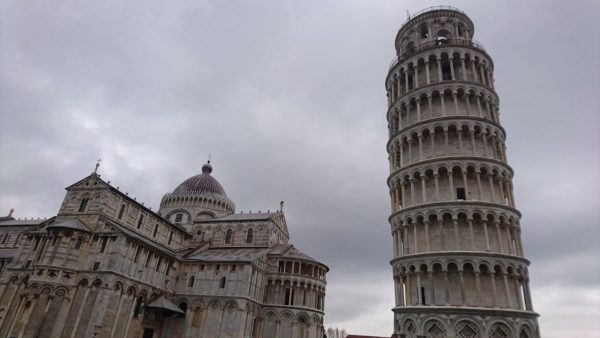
(288, 98)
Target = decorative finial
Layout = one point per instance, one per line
(207, 168)
(281, 206)
(97, 165)
(11, 212)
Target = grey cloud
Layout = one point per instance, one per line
(288, 98)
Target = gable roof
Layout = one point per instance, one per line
(229, 254)
(141, 238)
(23, 222)
(277, 217)
(262, 216)
(131, 200)
(289, 251)
(165, 304)
(74, 224)
(8, 252)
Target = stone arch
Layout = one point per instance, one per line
(131, 290)
(214, 304)
(410, 328)
(33, 287)
(467, 329)
(83, 282)
(61, 291)
(499, 268)
(46, 289)
(525, 331)
(500, 329)
(434, 328)
(231, 306)
(198, 305)
(303, 324)
(97, 283)
(197, 311)
(118, 285)
(269, 325)
(315, 319)
(287, 318)
(14, 279)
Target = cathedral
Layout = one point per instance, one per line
(108, 266)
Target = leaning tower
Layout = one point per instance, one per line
(459, 267)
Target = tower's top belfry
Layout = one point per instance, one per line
(459, 267)
(431, 27)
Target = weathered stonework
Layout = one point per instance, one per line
(459, 268)
(107, 266)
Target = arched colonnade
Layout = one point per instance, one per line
(443, 139)
(299, 292)
(447, 181)
(461, 326)
(464, 230)
(437, 101)
(448, 64)
(457, 281)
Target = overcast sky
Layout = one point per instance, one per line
(288, 97)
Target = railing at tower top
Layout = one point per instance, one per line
(432, 8)
(432, 44)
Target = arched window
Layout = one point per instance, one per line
(138, 307)
(461, 29)
(121, 211)
(140, 221)
(424, 33)
(138, 250)
(446, 72)
(443, 35)
(103, 246)
(78, 243)
(228, 236)
(191, 282)
(254, 326)
(83, 204)
(288, 296)
(250, 236)
(183, 307)
(222, 285)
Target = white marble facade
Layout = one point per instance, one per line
(459, 268)
(108, 266)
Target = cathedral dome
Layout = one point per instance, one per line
(201, 184)
(198, 197)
